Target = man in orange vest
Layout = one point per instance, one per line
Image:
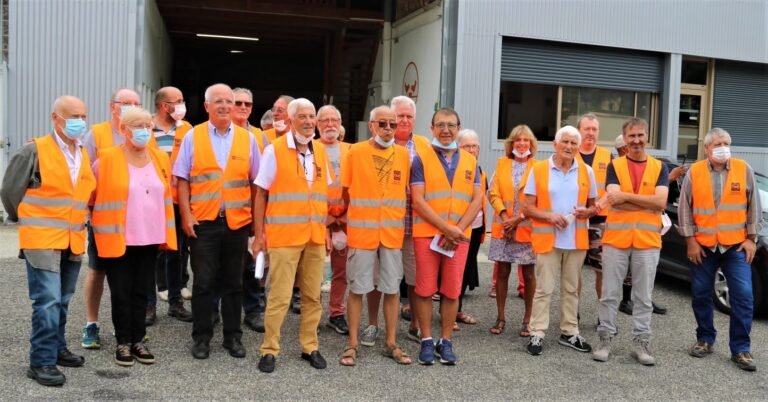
(216, 164)
(50, 205)
(103, 135)
(560, 197)
(720, 216)
(446, 194)
(636, 190)
(169, 123)
(328, 124)
(291, 207)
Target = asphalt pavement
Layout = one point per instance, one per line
(490, 367)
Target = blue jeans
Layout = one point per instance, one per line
(739, 276)
(50, 293)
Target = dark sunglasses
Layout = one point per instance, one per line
(384, 123)
(243, 103)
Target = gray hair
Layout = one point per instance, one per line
(287, 98)
(376, 110)
(117, 92)
(402, 99)
(266, 118)
(588, 116)
(210, 89)
(716, 132)
(329, 107)
(569, 131)
(246, 91)
(299, 103)
(466, 134)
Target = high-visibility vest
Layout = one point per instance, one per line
(484, 189)
(600, 167)
(296, 211)
(335, 202)
(636, 229)
(726, 224)
(111, 204)
(272, 135)
(102, 136)
(374, 218)
(52, 217)
(178, 137)
(259, 137)
(543, 232)
(208, 185)
(508, 195)
(448, 200)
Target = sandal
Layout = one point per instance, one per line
(465, 318)
(405, 312)
(456, 326)
(524, 331)
(498, 328)
(397, 354)
(349, 357)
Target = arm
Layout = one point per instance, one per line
(188, 221)
(494, 195)
(19, 175)
(472, 210)
(259, 207)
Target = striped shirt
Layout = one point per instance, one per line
(408, 206)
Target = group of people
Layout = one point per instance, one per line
(398, 213)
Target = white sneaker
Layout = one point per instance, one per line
(186, 294)
(163, 295)
(325, 287)
(641, 351)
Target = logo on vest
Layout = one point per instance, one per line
(237, 158)
(736, 187)
(467, 175)
(602, 165)
(396, 176)
(319, 172)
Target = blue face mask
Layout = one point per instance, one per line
(437, 143)
(74, 128)
(141, 137)
(382, 143)
(124, 108)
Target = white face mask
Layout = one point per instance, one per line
(179, 111)
(339, 240)
(521, 155)
(279, 125)
(302, 139)
(721, 154)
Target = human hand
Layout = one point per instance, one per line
(558, 220)
(748, 246)
(188, 223)
(695, 252)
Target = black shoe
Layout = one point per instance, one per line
(339, 324)
(150, 316)
(142, 354)
(201, 350)
(267, 363)
(296, 303)
(658, 309)
(235, 347)
(69, 359)
(215, 318)
(46, 375)
(123, 356)
(626, 307)
(255, 322)
(315, 359)
(177, 311)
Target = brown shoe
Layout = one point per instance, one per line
(701, 349)
(744, 361)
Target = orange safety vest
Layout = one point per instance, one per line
(484, 189)
(600, 167)
(542, 232)
(178, 137)
(208, 185)
(726, 224)
(505, 196)
(636, 229)
(374, 218)
(296, 211)
(110, 207)
(259, 137)
(335, 202)
(272, 134)
(102, 136)
(52, 216)
(449, 200)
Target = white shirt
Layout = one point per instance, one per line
(268, 166)
(74, 160)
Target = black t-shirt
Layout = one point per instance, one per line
(589, 159)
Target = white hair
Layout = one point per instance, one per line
(299, 103)
(243, 91)
(569, 131)
(716, 132)
(210, 89)
(465, 134)
(400, 100)
(266, 118)
(377, 109)
(329, 107)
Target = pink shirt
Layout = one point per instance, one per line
(145, 210)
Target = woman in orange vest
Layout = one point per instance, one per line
(132, 216)
(510, 237)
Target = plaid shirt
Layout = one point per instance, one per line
(408, 207)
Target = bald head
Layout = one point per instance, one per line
(123, 97)
(65, 103)
(167, 94)
(67, 107)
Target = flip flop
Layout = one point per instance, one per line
(465, 318)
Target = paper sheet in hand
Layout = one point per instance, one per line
(258, 272)
(435, 247)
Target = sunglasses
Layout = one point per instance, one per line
(384, 124)
(243, 103)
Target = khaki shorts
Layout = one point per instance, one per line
(409, 261)
(381, 268)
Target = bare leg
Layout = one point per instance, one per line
(502, 287)
(422, 306)
(449, 308)
(92, 291)
(391, 303)
(374, 300)
(354, 308)
(412, 297)
(529, 277)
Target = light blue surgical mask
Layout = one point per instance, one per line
(437, 143)
(382, 143)
(124, 108)
(74, 128)
(141, 137)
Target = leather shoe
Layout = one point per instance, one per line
(150, 316)
(315, 359)
(235, 347)
(69, 359)
(255, 322)
(201, 350)
(177, 311)
(267, 363)
(660, 310)
(46, 375)
(296, 303)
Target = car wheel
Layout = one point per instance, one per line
(722, 294)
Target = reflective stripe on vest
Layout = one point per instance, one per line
(600, 167)
(178, 137)
(725, 224)
(504, 187)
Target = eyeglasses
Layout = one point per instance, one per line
(329, 120)
(278, 110)
(243, 103)
(384, 124)
(470, 146)
(178, 102)
(135, 104)
(449, 126)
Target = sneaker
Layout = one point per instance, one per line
(369, 335)
(641, 351)
(150, 316)
(339, 324)
(603, 348)
(701, 349)
(91, 337)
(744, 361)
(626, 307)
(186, 294)
(142, 354)
(414, 334)
(325, 287)
(534, 347)
(123, 356)
(427, 352)
(163, 295)
(445, 351)
(576, 342)
(436, 297)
